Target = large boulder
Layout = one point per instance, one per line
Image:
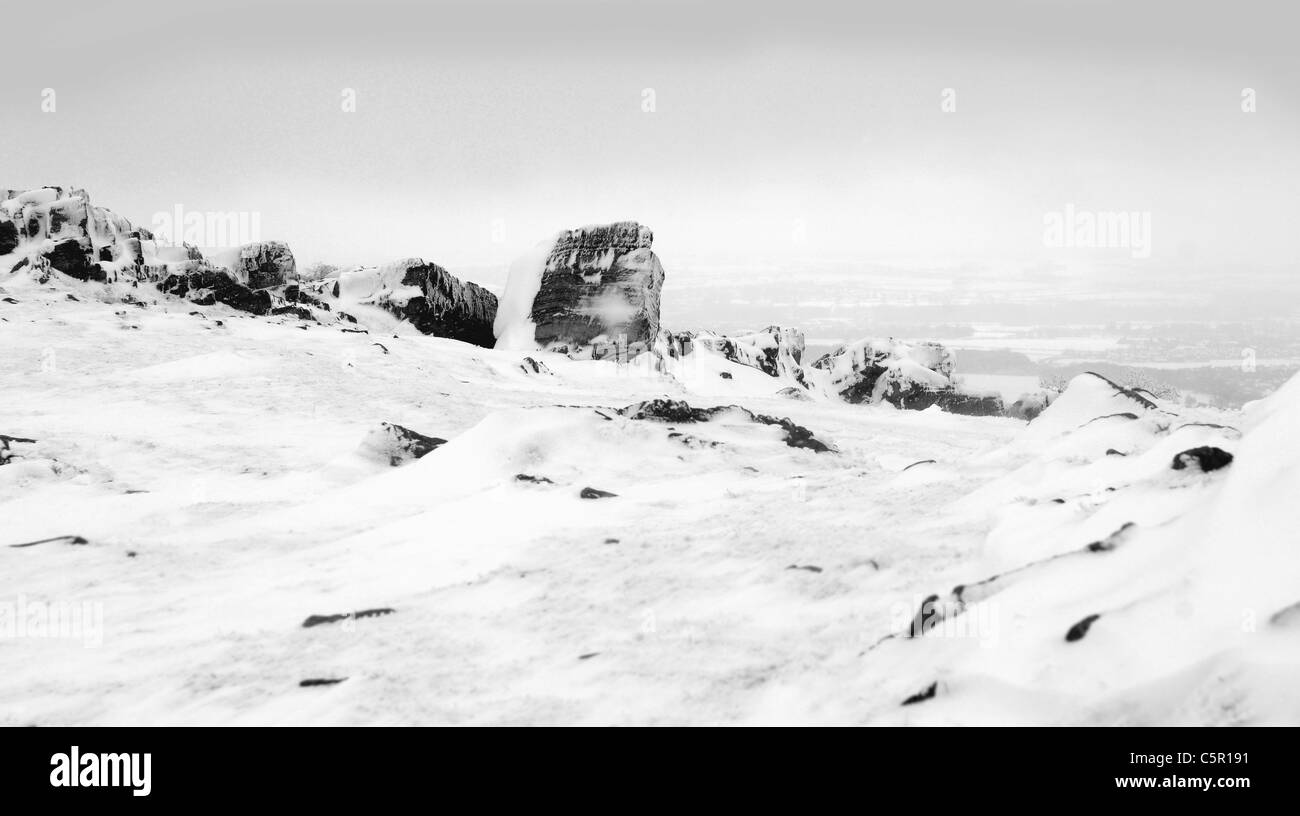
(205, 285)
(430, 297)
(594, 294)
(72, 256)
(263, 264)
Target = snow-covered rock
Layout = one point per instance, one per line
(260, 265)
(397, 445)
(868, 370)
(430, 297)
(594, 295)
(775, 351)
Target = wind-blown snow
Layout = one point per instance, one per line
(220, 477)
(514, 326)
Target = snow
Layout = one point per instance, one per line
(514, 327)
(218, 475)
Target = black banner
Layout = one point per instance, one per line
(323, 767)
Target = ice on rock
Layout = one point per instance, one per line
(596, 295)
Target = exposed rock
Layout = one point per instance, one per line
(525, 477)
(1080, 629)
(73, 257)
(775, 351)
(593, 493)
(321, 681)
(922, 696)
(531, 366)
(970, 404)
(430, 297)
(599, 292)
(1205, 458)
(263, 264)
(8, 235)
(669, 410)
(873, 370)
(317, 620)
(206, 286)
(397, 445)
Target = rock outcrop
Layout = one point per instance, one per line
(263, 265)
(597, 292)
(914, 376)
(775, 351)
(54, 229)
(430, 297)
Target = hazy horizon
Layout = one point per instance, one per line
(776, 133)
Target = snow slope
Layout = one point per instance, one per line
(216, 465)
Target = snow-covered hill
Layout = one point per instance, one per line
(220, 478)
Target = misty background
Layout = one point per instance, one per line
(795, 161)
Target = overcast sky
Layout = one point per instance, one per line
(772, 122)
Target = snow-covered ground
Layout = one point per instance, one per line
(213, 463)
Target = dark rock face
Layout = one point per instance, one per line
(437, 303)
(593, 493)
(317, 620)
(1206, 458)
(958, 402)
(72, 257)
(667, 410)
(599, 292)
(398, 445)
(206, 286)
(264, 264)
(8, 236)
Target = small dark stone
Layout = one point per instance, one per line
(806, 567)
(922, 696)
(524, 477)
(1080, 629)
(1113, 452)
(1206, 458)
(726, 375)
(593, 493)
(317, 620)
(588, 655)
(321, 681)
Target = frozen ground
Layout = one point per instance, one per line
(213, 464)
